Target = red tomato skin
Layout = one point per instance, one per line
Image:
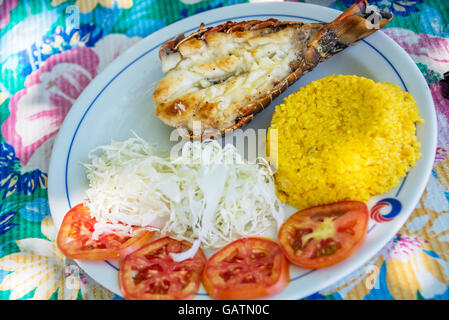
(254, 293)
(124, 280)
(220, 294)
(80, 212)
(63, 234)
(135, 243)
(326, 208)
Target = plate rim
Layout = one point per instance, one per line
(120, 62)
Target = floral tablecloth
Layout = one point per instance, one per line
(49, 54)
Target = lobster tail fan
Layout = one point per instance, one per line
(359, 21)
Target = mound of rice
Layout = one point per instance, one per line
(342, 138)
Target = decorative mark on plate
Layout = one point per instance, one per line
(395, 208)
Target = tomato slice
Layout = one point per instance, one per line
(324, 235)
(75, 238)
(151, 274)
(247, 268)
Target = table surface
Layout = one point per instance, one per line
(41, 59)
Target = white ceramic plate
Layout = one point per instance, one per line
(119, 100)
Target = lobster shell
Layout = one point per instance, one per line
(323, 41)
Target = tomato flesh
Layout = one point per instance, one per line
(151, 274)
(75, 238)
(324, 235)
(247, 268)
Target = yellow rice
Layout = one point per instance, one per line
(343, 138)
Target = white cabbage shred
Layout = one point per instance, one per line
(207, 195)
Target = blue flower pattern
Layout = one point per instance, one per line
(6, 221)
(12, 180)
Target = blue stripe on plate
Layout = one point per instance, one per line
(188, 31)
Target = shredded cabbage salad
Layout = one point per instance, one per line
(207, 195)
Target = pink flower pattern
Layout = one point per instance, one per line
(5, 8)
(37, 112)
